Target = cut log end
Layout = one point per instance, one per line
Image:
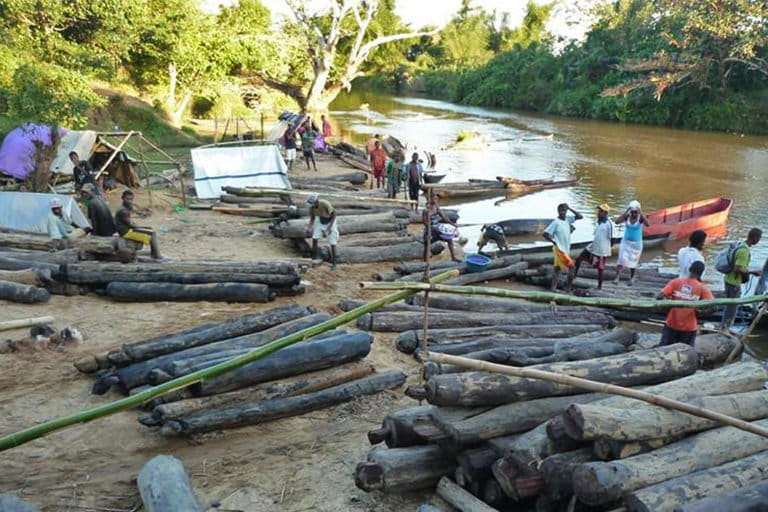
(416, 392)
(378, 435)
(369, 476)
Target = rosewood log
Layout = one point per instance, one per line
(507, 272)
(30, 276)
(396, 252)
(346, 224)
(165, 487)
(222, 266)
(34, 242)
(23, 293)
(84, 277)
(397, 428)
(752, 498)
(225, 292)
(398, 470)
(607, 449)
(460, 498)
(558, 469)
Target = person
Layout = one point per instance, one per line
(82, 171)
(687, 255)
(102, 222)
(322, 222)
(438, 227)
(415, 177)
(327, 129)
(371, 144)
(559, 234)
(492, 233)
(631, 247)
(308, 137)
(682, 324)
(378, 162)
(290, 146)
(60, 226)
(394, 175)
(740, 258)
(128, 230)
(599, 249)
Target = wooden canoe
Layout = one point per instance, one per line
(681, 220)
(519, 227)
(653, 242)
(433, 178)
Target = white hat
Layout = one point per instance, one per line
(634, 204)
(312, 199)
(56, 203)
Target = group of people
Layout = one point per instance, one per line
(393, 172)
(306, 131)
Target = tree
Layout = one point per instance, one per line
(329, 51)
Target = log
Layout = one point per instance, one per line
(558, 469)
(396, 252)
(292, 360)
(475, 465)
(460, 498)
(426, 426)
(91, 244)
(23, 293)
(401, 321)
(397, 238)
(674, 494)
(32, 277)
(44, 259)
(291, 386)
(208, 333)
(632, 369)
(752, 498)
(507, 272)
(165, 487)
(398, 470)
(12, 503)
(413, 267)
(397, 428)
(269, 410)
(534, 347)
(85, 277)
(11, 264)
(714, 349)
(257, 267)
(25, 322)
(607, 449)
(516, 483)
(346, 224)
(350, 304)
(596, 483)
(225, 292)
(641, 422)
(493, 494)
(478, 304)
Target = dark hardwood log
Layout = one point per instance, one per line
(291, 360)
(515, 482)
(478, 304)
(66, 289)
(631, 369)
(12, 503)
(510, 271)
(475, 465)
(208, 333)
(165, 487)
(412, 267)
(426, 426)
(397, 428)
(714, 349)
(397, 238)
(460, 498)
(350, 304)
(346, 224)
(558, 469)
(592, 421)
(607, 449)
(596, 483)
(401, 321)
(269, 410)
(397, 470)
(84, 277)
(11, 264)
(396, 252)
(29, 276)
(409, 341)
(493, 494)
(291, 386)
(225, 292)
(32, 258)
(23, 293)
(752, 498)
(223, 266)
(35, 242)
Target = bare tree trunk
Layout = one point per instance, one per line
(177, 115)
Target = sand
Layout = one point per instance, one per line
(294, 464)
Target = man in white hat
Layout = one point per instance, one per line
(60, 226)
(322, 223)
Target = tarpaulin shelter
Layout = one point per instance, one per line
(28, 211)
(238, 164)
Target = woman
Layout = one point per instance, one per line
(438, 227)
(631, 247)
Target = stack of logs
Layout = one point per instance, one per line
(514, 443)
(324, 370)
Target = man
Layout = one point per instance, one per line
(394, 175)
(415, 177)
(60, 226)
(127, 229)
(599, 249)
(739, 259)
(371, 144)
(378, 162)
(102, 222)
(308, 137)
(438, 227)
(322, 223)
(492, 233)
(559, 234)
(687, 255)
(290, 146)
(82, 171)
(682, 324)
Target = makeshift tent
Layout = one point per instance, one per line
(238, 165)
(28, 211)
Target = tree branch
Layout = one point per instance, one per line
(294, 91)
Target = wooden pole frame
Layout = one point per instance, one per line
(113, 155)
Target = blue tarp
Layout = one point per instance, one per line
(28, 211)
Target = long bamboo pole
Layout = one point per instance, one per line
(558, 298)
(113, 155)
(258, 192)
(29, 434)
(25, 322)
(599, 387)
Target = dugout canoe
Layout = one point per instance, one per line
(486, 188)
(430, 177)
(682, 220)
(520, 227)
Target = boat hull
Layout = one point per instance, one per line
(681, 220)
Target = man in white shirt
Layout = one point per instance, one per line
(60, 226)
(687, 255)
(596, 252)
(559, 234)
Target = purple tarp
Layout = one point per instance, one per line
(17, 154)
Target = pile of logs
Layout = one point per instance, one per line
(324, 370)
(512, 443)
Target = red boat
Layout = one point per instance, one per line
(681, 220)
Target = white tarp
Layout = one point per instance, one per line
(238, 166)
(28, 211)
(81, 142)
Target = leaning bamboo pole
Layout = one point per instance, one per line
(31, 433)
(599, 387)
(258, 192)
(537, 296)
(113, 155)
(25, 322)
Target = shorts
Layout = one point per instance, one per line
(320, 230)
(562, 261)
(413, 191)
(141, 235)
(597, 262)
(290, 154)
(670, 336)
(308, 153)
(378, 173)
(490, 235)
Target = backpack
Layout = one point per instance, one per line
(724, 260)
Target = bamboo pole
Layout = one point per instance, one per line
(146, 169)
(32, 433)
(257, 192)
(741, 341)
(26, 322)
(537, 296)
(113, 155)
(600, 387)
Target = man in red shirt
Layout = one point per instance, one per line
(378, 163)
(682, 324)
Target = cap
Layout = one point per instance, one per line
(605, 207)
(312, 199)
(88, 187)
(56, 203)
(634, 205)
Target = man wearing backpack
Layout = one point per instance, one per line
(738, 257)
